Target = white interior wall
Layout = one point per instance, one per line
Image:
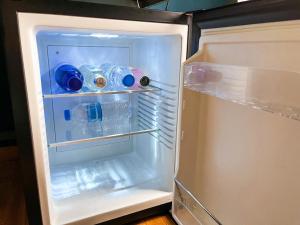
(55, 48)
(156, 156)
(158, 56)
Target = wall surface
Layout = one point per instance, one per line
(173, 5)
(190, 5)
(112, 2)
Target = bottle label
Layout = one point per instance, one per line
(94, 112)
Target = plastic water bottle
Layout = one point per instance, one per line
(68, 77)
(118, 76)
(94, 78)
(140, 78)
(116, 114)
(85, 118)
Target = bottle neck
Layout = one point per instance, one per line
(128, 80)
(144, 81)
(100, 81)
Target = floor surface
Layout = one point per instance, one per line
(156, 220)
(12, 205)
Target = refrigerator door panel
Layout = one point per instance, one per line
(241, 13)
(74, 172)
(247, 12)
(240, 123)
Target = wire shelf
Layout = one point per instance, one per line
(86, 94)
(93, 139)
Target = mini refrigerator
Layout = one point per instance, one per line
(214, 137)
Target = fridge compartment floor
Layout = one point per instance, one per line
(104, 175)
(93, 208)
(103, 186)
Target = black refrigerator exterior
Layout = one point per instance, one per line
(13, 60)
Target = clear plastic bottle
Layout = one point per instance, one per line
(94, 77)
(140, 78)
(119, 77)
(68, 77)
(116, 114)
(85, 118)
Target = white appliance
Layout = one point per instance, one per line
(216, 135)
(87, 179)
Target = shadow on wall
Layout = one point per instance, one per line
(170, 5)
(129, 3)
(190, 5)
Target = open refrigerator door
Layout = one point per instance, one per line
(240, 127)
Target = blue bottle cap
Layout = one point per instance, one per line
(128, 80)
(67, 114)
(75, 83)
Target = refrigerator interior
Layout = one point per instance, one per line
(133, 161)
